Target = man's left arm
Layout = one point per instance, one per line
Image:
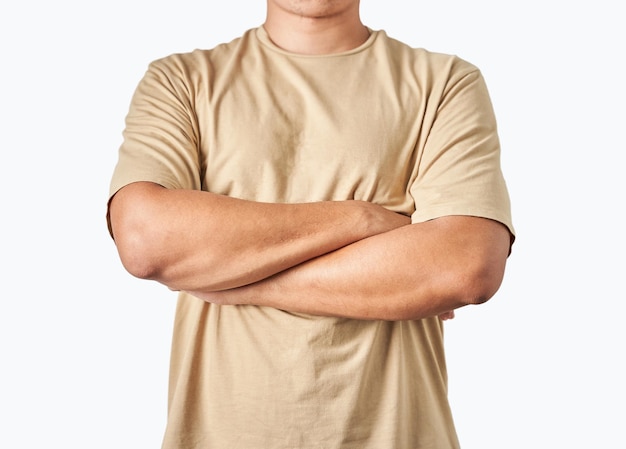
(413, 272)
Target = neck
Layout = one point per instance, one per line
(315, 32)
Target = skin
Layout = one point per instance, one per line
(315, 26)
(412, 272)
(202, 242)
(342, 258)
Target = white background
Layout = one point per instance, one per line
(84, 347)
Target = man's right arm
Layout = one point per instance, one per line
(195, 240)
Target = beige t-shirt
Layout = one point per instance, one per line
(405, 128)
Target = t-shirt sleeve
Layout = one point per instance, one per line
(459, 170)
(160, 138)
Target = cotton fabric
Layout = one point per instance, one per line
(403, 127)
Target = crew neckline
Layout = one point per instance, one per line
(264, 38)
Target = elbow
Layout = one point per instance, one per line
(480, 283)
(136, 251)
(449, 290)
(481, 272)
(136, 237)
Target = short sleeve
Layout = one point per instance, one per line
(160, 138)
(459, 169)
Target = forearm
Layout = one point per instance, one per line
(190, 240)
(412, 272)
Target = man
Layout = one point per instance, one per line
(322, 196)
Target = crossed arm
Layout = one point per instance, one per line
(342, 258)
